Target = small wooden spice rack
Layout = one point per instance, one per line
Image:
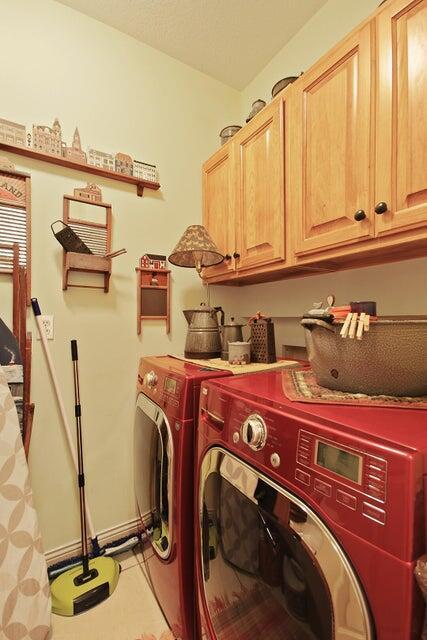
(153, 296)
(81, 166)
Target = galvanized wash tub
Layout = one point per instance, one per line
(391, 359)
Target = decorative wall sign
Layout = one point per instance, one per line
(15, 219)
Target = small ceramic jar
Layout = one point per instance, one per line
(239, 352)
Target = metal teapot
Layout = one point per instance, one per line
(231, 332)
(203, 336)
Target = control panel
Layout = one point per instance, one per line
(358, 470)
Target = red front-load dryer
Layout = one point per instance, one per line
(309, 517)
(164, 435)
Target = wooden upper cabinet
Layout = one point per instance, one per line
(260, 229)
(218, 206)
(331, 148)
(401, 143)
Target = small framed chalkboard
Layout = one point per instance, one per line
(153, 296)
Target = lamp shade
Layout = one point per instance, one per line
(195, 249)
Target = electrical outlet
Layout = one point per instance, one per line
(48, 326)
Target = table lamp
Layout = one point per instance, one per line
(196, 250)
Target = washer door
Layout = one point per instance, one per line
(153, 468)
(270, 565)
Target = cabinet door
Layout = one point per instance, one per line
(219, 206)
(331, 147)
(260, 232)
(401, 150)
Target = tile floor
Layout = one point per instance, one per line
(130, 613)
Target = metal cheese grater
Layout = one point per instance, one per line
(263, 347)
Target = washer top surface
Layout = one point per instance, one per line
(178, 367)
(402, 427)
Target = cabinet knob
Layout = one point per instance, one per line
(227, 256)
(236, 255)
(381, 207)
(359, 215)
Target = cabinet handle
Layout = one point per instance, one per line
(359, 215)
(236, 255)
(227, 256)
(381, 207)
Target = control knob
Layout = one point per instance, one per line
(254, 432)
(151, 379)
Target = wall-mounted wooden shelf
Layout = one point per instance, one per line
(81, 166)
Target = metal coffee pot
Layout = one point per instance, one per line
(231, 332)
(203, 336)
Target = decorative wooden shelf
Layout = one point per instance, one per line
(81, 166)
(156, 305)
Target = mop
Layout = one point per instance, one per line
(82, 587)
(118, 546)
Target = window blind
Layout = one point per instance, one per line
(13, 228)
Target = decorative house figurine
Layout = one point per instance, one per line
(12, 133)
(145, 171)
(48, 139)
(124, 163)
(91, 192)
(152, 262)
(101, 159)
(75, 152)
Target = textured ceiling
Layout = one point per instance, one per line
(231, 40)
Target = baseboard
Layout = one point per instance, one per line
(104, 537)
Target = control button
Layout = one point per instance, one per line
(275, 460)
(303, 459)
(377, 463)
(254, 432)
(322, 487)
(302, 476)
(347, 499)
(151, 379)
(373, 513)
(236, 437)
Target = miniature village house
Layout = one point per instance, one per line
(75, 152)
(101, 159)
(12, 133)
(91, 192)
(124, 163)
(153, 261)
(145, 171)
(48, 139)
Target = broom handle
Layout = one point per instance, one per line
(51, 366)
(81, 475)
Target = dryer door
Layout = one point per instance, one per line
(153, 469)
(271, 568)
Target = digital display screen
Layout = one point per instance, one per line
(345, 464)
(170, 385)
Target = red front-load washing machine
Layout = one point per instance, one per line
(309, 517)
(164, 434)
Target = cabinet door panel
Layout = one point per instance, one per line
(331, 147)
(219, 207)
(401, 162)
(260, 231)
